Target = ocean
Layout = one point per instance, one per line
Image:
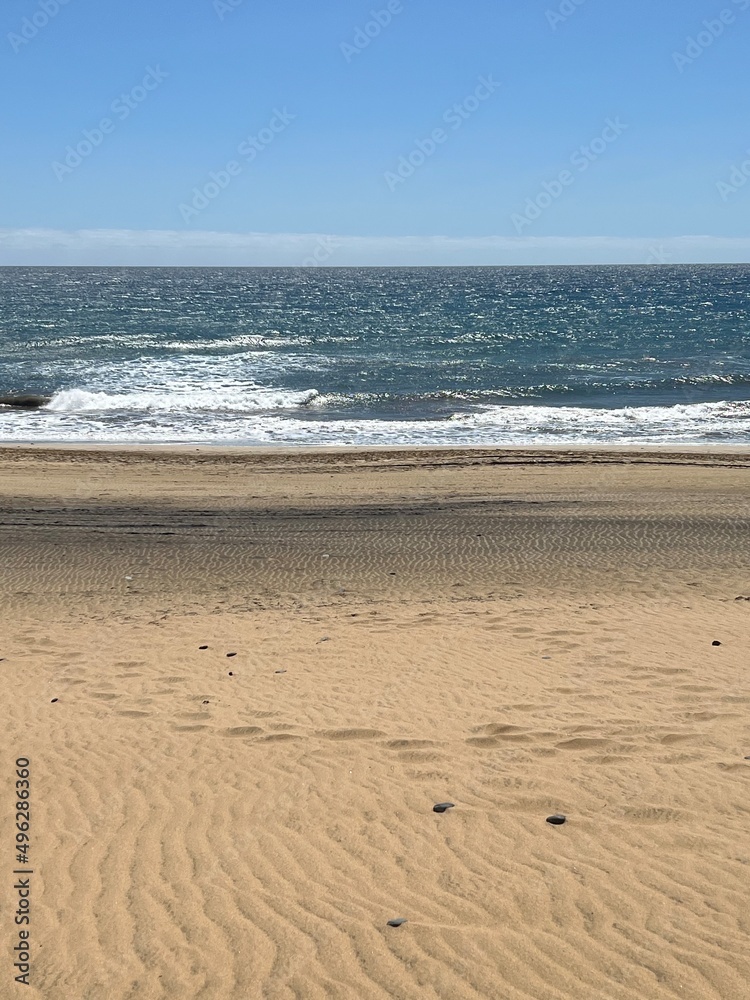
(378, 356)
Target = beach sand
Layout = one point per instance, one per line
(519, 633)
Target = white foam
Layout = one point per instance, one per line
(267, 417)
(218, 400)
(682, 421)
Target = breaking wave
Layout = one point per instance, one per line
(206, 400)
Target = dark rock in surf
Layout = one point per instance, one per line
(27, 401)
(557, 820)
(442, 807)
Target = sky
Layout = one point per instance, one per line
(252, 132)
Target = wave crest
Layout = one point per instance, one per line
(234, 400)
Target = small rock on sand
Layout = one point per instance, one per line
(557, 820)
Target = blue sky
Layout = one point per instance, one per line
(313, 136)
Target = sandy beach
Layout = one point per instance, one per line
(243, 679)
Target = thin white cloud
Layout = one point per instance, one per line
(168, 248)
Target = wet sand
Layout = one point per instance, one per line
(519, 633)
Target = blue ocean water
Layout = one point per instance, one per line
(370, 356)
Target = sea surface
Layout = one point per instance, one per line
(378, 356)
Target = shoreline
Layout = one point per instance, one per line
(508, 453)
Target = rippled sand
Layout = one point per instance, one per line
(519, 634)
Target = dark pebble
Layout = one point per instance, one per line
(202, 647)
(397, 922)
(747, 758)
(716, 643)
(206, 702)
(54, 700)
(231, 654)
(442, 807)
(231, 674)
(557, 820)
(279, 671)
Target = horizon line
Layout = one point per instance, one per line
(40, 247)
(362, 267)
